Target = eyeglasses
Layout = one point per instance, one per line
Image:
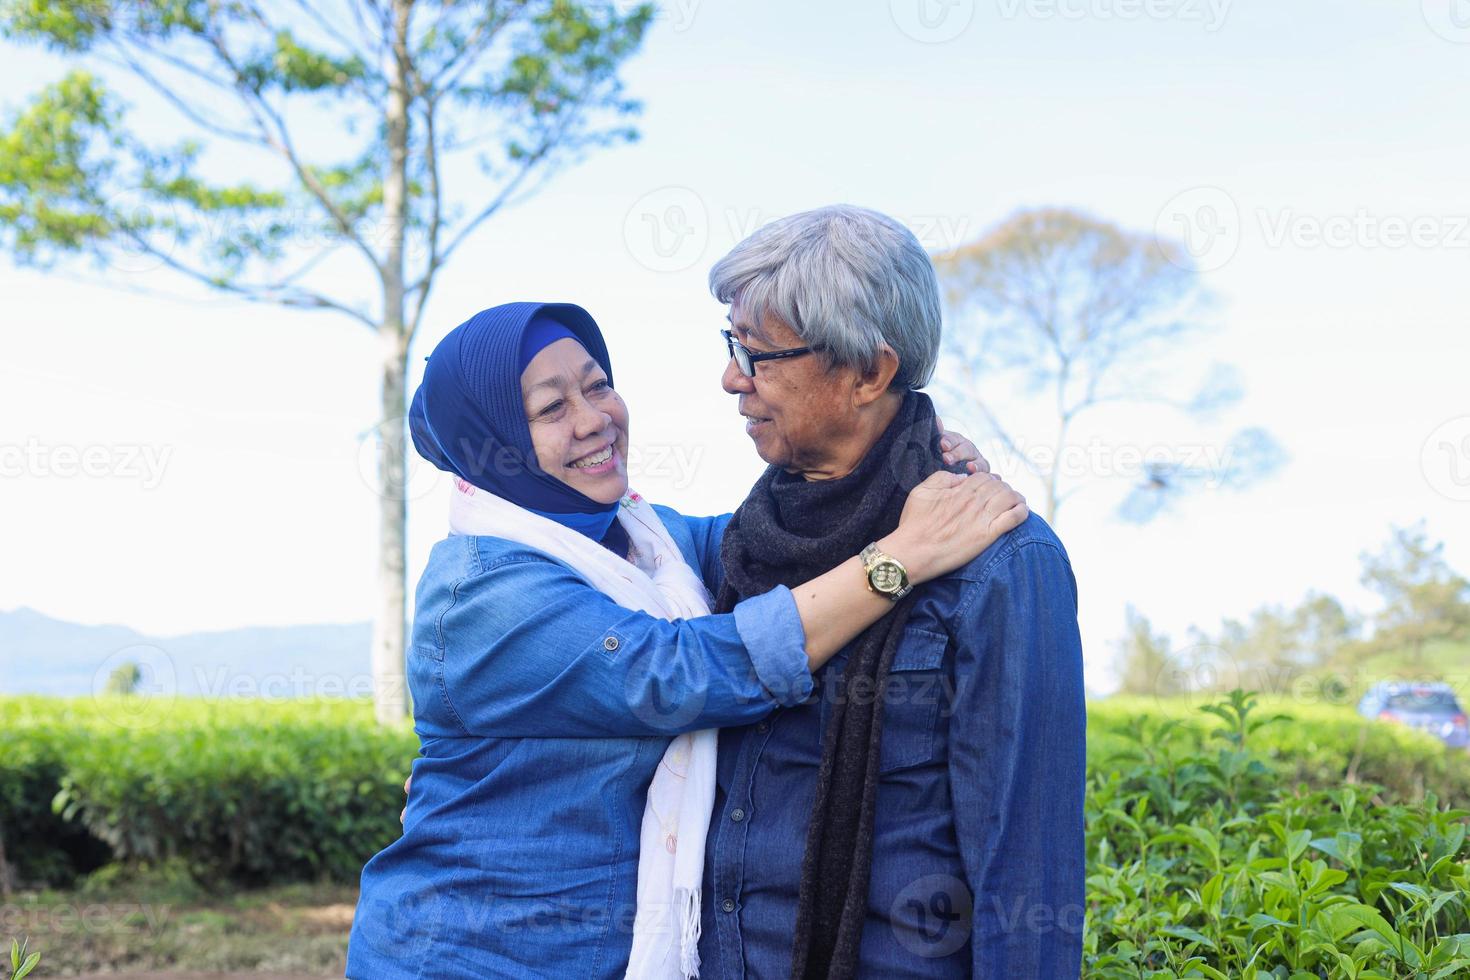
(746, 359)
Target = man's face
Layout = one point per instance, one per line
(797, 409)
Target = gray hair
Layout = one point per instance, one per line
(847, 280)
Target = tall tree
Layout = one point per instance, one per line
(1277, 645)
(1144, 662)
(301, 131)
(1076, 310)
(1424, 600)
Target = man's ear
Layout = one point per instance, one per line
(875, 382)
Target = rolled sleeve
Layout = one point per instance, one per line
(770, 628)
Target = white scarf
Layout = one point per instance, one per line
(655, 579)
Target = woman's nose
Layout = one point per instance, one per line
(589, 420)
(734, 381)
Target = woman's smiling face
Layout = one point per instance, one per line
(579, 425)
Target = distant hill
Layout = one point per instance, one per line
(41, 655)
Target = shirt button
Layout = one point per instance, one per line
(610, 644)
(728, 905)
(763, 727)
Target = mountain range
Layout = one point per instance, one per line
(42, 655)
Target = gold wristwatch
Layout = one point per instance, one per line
(886, 574)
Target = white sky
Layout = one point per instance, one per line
(256, 509)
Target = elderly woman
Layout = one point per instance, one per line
(566, 672)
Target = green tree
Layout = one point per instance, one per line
(1277, 642)
(1424, 600)
(1145, 665)
(303, 133)
(1079, 312)
(124, 679)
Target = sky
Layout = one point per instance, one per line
(174, 462)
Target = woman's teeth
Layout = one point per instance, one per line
(595, 460)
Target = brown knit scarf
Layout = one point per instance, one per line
(790, 530)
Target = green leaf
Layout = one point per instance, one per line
(1296, 845)
(1184, 932)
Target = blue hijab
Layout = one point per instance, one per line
(467, 417)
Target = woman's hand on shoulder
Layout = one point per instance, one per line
(948, 520)
(958, 448)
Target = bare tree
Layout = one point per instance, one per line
(1075, 309)
(352, 115)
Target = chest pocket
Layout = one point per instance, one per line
(916, 691)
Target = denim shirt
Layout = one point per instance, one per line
(978, 837)
(543, 709)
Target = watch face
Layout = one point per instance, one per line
(887, 578)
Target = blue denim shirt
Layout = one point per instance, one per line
(978, 838)
(543, 709)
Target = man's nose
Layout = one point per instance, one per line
(734, 381)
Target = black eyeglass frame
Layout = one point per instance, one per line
(746, 359)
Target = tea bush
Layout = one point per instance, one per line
(1201, 863)
(1221, 842)
(249, 790)
(1323, 746)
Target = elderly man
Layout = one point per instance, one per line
(921, 814)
